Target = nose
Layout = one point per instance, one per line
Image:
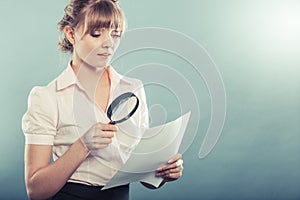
(108, 41)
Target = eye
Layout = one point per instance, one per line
(116, 34)
(95, 34)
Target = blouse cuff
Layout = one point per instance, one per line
(39, 139)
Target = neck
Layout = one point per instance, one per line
(90, 77)
(81, 67)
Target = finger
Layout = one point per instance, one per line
(108, 134)
(169, 166)
(100, 140)
(107, 127)
(179, 162)
(166, 167)
(100, 146)
(174, 175)
(169, 171)
(104, 134)
(163, 173)
(175, 158)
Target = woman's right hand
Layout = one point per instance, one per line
(99, 136)
(38, 169)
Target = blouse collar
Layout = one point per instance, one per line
(68, 78)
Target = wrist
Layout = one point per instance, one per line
(82, 147)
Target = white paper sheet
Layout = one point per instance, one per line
(156, 147)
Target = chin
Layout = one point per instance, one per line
(98, 65)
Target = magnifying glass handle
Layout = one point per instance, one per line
(112, 122)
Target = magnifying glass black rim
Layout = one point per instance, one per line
(117, 101)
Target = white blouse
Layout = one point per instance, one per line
(61, 112)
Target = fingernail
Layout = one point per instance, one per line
(170, 161)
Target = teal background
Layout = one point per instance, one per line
(255, 45)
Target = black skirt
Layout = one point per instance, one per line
(76, 191)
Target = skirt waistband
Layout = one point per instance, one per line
(76, 191)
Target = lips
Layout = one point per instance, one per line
(104, 54)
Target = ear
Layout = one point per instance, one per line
(69, 33)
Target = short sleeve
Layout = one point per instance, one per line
(40, 120)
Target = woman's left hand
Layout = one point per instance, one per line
(172, 170)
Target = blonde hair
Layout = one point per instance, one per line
(93, 15)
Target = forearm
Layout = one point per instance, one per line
(48, 180)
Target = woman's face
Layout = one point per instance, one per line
(97, 47)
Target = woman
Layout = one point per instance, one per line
(67, 117)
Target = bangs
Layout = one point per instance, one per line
(104, 14)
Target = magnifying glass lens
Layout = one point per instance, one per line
(122, 108)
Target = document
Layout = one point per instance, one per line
(155, 148)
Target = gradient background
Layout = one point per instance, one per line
(256, 46)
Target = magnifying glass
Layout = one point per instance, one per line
(122, 108)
